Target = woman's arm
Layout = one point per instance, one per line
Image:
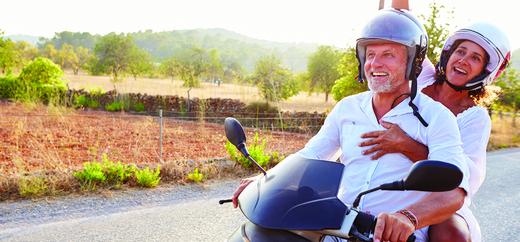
(400, 4)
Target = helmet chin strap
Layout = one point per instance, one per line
(470, 87)
(413, 106)
(455, 87)
(413, 77)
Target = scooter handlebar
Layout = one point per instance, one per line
(365, 224)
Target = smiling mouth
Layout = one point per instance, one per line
(378, 74)
(460, 71)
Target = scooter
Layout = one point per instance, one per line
(297, 200)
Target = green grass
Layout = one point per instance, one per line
(195, 176)
(91, 176)
(147, 177)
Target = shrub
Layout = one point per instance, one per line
(139, 107)
(195, 176)
(116, 173)
(83, 101)
(9, 86)
(32, 187)
(256, 151)
(91, 175)
(114, 106)
(40, 80)
(147, 177)
(261, 107)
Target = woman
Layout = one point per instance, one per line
(472, 58)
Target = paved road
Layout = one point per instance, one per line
(497, 204)
(198, 217)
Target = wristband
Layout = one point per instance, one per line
(410, 216)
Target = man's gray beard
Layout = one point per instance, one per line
(380, 88)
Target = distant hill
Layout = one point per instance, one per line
(28, 38)
(515, 60)
(233, 47)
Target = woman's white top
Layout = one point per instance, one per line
(475, 128)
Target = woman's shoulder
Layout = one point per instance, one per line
(474, 115)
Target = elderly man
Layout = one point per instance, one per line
(390, 52)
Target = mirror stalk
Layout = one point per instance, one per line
(256, 163)
(358, 198)
(392, 186)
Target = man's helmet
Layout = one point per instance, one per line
(493, 40)
(401, 27)
(398, 26)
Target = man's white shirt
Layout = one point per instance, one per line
(354, 115)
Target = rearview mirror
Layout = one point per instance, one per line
(433, 176)
(426, 176)
(234, 132)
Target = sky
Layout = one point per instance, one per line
(333, 22)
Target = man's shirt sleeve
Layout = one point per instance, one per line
(444, 144)
(325, 145)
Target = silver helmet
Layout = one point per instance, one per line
(398, 26)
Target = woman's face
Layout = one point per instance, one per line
(465, 63)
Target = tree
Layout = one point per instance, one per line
(67, 58)
(113, 55)
(215, 70)
(233, 72)
(274, 81)
(437, 31)
(50, 52)
(140, 62)
(75, 39)
(167, 67)
(509, 82)
(9, 58)
(347, 84)
(84, 55)
(26, 52)
(189, 74)
(323, 69)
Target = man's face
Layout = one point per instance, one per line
(385, 66)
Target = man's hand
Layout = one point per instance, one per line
(393, 140)
(394, 227)
(243, 184)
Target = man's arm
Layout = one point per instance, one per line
(432, 209)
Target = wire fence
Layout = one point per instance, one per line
(36, 139)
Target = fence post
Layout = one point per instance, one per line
(160, 136)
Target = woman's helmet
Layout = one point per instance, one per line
(493, 40)
(401, 27)
(398, 26)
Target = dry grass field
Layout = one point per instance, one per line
(53, 142)
(37, 137)
(247, 94)
(505, 132)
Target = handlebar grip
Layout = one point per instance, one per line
(224, 201)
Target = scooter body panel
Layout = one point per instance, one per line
(297, 194)
(251, 232)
